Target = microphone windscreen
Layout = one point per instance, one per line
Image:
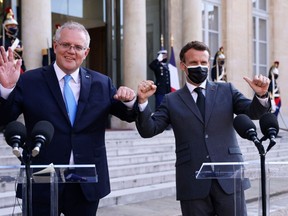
(45, 129)
(268, 120)
(242, 123)
(15, 128)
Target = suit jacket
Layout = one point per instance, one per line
(197, 141)
(38, 96)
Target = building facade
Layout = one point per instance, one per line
(125, 34)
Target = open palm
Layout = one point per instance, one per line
(9, 68)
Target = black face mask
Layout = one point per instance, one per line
(197, 74)
(222, 62)
(164, 60)
(12, 31)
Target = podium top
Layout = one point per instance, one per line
(49, 165)
(228, 170)
(83, 173)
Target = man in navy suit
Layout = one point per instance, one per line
(38, 95)
(203, 134)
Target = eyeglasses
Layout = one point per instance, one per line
(68, 46)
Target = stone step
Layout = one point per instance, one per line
(140, 158)
(151, 149)
(139, 169)
(120, 143)
(133, 134)
(7, 211)
(134, 195)
(7, 184)
(125, 182)
(6, 160)
(7, 198)
(5, 149)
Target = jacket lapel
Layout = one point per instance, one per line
(211, 90)
(86, 80)
(53, 85)
(187, 99)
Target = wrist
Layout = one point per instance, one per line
(263, 96)
(141, 101)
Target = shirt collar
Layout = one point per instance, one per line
(60, 73)
(191, 87)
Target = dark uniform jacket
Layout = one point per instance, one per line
(162, 75)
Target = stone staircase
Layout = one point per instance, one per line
(140, 169)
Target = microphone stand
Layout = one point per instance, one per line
(28, 191)
(262, 154)
(263, 184)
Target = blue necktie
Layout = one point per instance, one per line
(70, 101)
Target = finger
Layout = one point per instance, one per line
(2, 53)
(261, 81)
(5, 55)
(18, 64)
(10, 55)
(248, 80)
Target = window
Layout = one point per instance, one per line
(211, 25)
(260, 37)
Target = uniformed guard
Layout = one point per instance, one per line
(162, 75)
(9, 37)
(274, 89)
(218, 73)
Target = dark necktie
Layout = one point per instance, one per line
(200, 101)
(70, 101)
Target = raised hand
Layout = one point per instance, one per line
(259, 84)
(145, 89)
(9, 68)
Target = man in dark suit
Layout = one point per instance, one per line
(203, 137)
(38, 95)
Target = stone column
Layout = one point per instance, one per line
(278, 31)
(36, 30)
(134, 42)
(192, 20)
(134, 48)
(176, 27)
(237, 42)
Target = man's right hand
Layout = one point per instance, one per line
(145, 89)
(9, 69)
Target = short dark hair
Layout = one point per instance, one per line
(197, 45)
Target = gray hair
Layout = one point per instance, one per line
(72, 26)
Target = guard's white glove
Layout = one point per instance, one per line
(160, 57)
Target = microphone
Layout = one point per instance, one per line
(269, 128)
(247, 130)
(42, 134)
(15, 136)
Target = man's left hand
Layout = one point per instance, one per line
(259, 84)
(124, 94)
